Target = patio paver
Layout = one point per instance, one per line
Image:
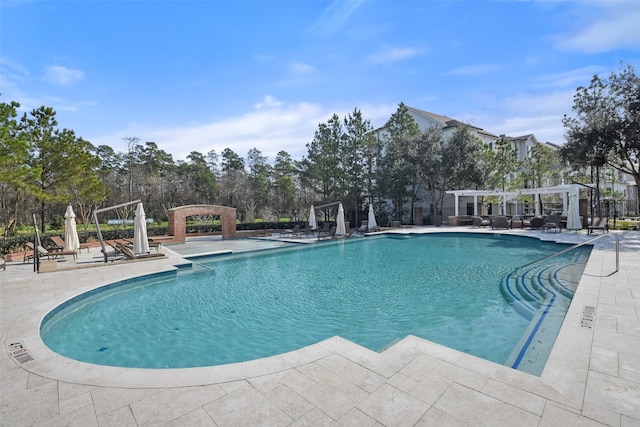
(592, 376)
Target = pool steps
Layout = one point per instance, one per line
(528, 290)
(538, 293)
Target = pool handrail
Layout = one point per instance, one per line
(577, 245)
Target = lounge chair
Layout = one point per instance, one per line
(150, 242)
(552, 222)
(327, 234)
(115, 245)
(517, 222)
(499, 222)
(326, 226)
(59, 244)
(128, 253)
(42, 252)
(30, 254)
(352, 232)
(57, 241)
(306, 231)
(536, 223)
(478, 221)
(599, 224)
(292, 231)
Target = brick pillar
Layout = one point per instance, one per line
(229, 225)
(171, 229)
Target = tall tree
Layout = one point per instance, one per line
(625, 90)
(259, 180)
(284, 181)
(402, 160)
(212, 162)
(449, 163)
(542, 165)
(356, 140)
(606, 126)
(17, 178)
(503, 164)
(62, 160)
(233, 179)
(201, 178)
(132, 142)
(323, 159)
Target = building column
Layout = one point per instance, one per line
(475, 205)
(457, 204)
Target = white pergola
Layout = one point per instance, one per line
(508, 195)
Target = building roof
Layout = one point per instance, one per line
(438, 118)
(521, 138)
(448, 123)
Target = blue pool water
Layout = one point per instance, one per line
(374, 291)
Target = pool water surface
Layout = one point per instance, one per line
(443, 287)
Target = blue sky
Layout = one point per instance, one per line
(207, 75)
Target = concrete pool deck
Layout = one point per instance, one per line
(592, 376)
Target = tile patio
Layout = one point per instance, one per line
(592, 377)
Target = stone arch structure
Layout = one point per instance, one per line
(178, 225)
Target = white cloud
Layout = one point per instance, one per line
(269, 101)
(282, 126)
(297, 74)
(530, 113)
(335, 16)
(613, 25)
(545, 128)
(573, 78)
(62, 76)
(475, 70)
(12, 69)
(392, 54)
(300, 68)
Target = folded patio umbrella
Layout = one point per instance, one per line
(312, 219)
(140, 240)
(372, 219)
(71, 241)
(340, 228)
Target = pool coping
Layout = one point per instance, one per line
(563, 379)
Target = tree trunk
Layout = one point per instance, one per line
(42, 217)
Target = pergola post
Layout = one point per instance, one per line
(475, 205)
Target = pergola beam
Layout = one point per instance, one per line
(508, 195)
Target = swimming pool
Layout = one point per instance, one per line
(443, 287)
